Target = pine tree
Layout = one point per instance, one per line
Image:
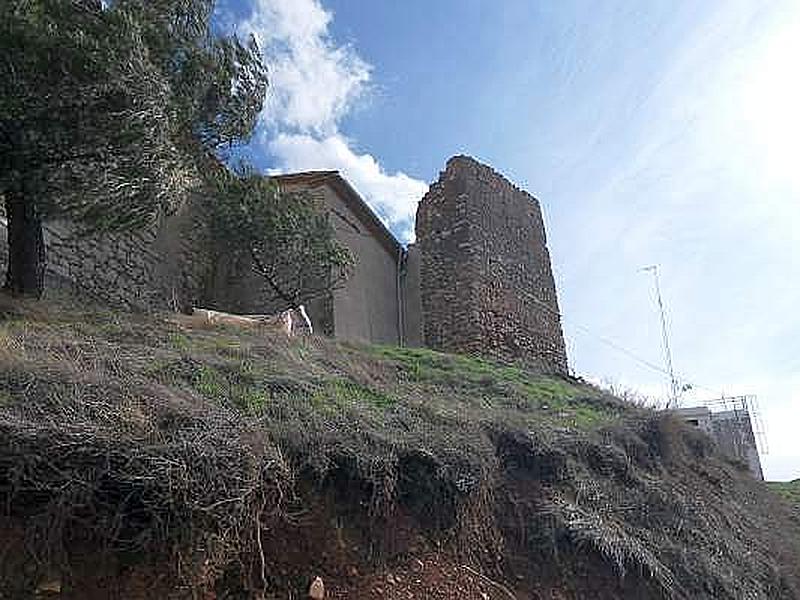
(286, 238)
(104, 112)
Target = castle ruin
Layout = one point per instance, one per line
(478, 279)
(486, 284)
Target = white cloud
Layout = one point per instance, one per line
(314, 83)
(393, 196)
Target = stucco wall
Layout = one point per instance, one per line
(486, 283)
(232, 286)
(367, 307)
(732, 430)
(411, 300)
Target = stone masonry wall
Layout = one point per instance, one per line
(156, 268)
(486, 283)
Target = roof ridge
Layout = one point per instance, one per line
(296, 174)
(351, 196)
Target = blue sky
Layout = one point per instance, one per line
(655, 132)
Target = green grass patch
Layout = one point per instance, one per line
(223, 345)
(211, 382)
(423, 365)
(498, 385)
(179, 341)
(586, 416)
(235, 383)
(788, 490)
(342, 393)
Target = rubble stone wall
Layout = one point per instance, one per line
(155, 268)
(477, 281)
(485, 277)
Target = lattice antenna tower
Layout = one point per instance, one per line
(672, 402)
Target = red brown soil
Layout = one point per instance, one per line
(426, 574)
(434, 577)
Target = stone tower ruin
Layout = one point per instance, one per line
(478, 280)
(486, 283)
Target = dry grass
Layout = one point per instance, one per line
(147, 436)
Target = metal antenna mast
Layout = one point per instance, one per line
(673, 382)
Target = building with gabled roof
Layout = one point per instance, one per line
(368, 307)
(478, 281)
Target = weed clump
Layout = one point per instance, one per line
(206, 450)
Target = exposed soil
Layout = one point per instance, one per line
(434, 576)
(144, 459)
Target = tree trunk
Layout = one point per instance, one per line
(26, 251)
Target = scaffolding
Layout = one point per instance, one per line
(746, 413)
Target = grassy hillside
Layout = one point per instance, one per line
(790, 492)
(146, 453)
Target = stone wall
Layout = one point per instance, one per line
(486, 283)
(477, 281)
(367, 307)
(156, 268)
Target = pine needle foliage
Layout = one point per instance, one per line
(285, 236)
(105, 111)
(88, 125)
